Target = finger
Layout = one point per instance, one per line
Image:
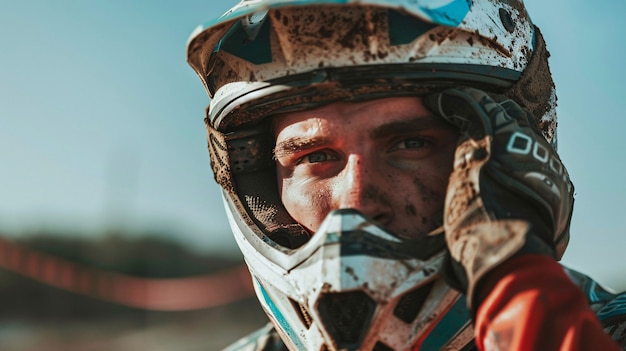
(523, 118)
(474, 112)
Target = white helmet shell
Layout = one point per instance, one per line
(265, 57)
(261, 49)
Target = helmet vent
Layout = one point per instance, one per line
(249, 153)
(507, 21)
(302, 313)
(346, 317)
(381, 347)
(411, 303)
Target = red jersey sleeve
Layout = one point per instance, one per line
(529, 303)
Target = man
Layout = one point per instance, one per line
(390, 174)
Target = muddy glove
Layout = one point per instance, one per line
(508, 194)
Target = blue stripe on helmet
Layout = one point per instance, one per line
(451, 14)
(403, 28)
(238, 42)
(280, 319)
(449, 325)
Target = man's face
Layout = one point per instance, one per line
(388, 158)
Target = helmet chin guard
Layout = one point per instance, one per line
(354, 286)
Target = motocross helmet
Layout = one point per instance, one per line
(352, 284)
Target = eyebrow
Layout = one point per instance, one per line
(423, 123)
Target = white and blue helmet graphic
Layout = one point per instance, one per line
(351, 285)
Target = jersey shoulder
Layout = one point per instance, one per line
(609, 307)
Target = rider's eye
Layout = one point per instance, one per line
(317, 156)
(410, 143)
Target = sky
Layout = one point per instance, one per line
(101, 122)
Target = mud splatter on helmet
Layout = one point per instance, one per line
(351, 285)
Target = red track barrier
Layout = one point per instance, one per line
(177, 294)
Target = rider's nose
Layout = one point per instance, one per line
(361, 187)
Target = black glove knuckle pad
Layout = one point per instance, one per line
(508, 194)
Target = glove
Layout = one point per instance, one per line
(508, 194)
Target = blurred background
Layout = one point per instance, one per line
(103, 163)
